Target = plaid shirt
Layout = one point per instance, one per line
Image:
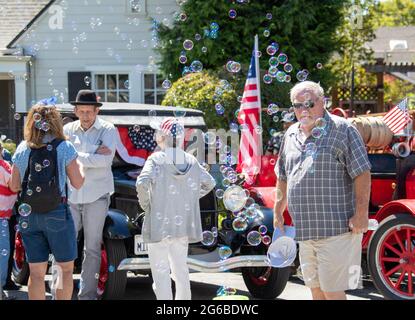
(320, 190)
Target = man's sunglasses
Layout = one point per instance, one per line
(307, 104)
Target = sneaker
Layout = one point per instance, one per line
(10, 285)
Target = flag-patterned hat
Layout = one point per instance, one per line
(169, 126)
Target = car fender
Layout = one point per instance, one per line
(118, 225)
(397, 206)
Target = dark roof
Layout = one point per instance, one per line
(381, 45)
(15, 16)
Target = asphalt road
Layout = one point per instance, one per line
(205, 285)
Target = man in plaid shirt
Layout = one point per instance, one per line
(324, 177)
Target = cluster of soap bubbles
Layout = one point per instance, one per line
(233, 66)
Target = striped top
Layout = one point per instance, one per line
(7, 197)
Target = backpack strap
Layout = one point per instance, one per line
(55, 144)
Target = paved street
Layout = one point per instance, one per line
(205, 285)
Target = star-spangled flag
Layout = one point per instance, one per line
(249, 116)
(397, 118)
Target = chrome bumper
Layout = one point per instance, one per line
(132, 264)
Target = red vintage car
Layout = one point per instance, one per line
(388, 252)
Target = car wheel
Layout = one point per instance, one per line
(264, 282)
(391, 258)
(112, 282)
(20, 271)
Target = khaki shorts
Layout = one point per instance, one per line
(332, 264)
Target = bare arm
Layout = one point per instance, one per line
(14, 183)
(75, 173)
(280, 204)
(359, 222)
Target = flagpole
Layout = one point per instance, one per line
(256, 46)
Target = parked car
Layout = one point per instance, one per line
(123, 249)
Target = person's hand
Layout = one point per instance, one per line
(359, 223)
(279, 222)
(103, 150)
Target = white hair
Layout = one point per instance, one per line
(306, 86)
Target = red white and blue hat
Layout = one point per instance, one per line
(169, 126)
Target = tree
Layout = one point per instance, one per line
(303, 29)
(355, 31)
(197, 91)
(395, 13)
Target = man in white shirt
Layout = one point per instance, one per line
(94, 140)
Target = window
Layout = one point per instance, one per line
(398, 44)
(137, 7)
(112, 87)
(153, 90)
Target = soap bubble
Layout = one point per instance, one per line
(29, 192)
(46, 163)
(182, 59)
(254, 238)
(317, 133)
(271, 50)
(38, 167)
(321, 123)
(24, 224)
(37, 117)
(4, 252)
(225, 252)
(266, 239)
(188, 44)
(87, 80)
(319, 65)
(49, 147)
(209, 138)
(178, 220)
(234, 198)
(288, 67)
(24, 209)
(38, 189)
(301, 76)
(239, 224)
(232, 13)
(166, 84)
(273, 62)
(266, 33)
(263, 229)
(282, 58)
(267, 78)
(215, 231)
(196, 66)
(208, 238)
(219, 193)
(269, 16)
(17, 116)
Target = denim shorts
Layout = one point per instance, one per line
(52, 232)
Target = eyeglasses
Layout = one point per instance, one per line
(308, 104)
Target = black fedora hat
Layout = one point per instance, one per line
(86, 97)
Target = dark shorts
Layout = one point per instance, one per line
(52, 232)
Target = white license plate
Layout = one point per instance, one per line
(140, 248)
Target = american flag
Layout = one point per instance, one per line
(397, 118)
(250, 148)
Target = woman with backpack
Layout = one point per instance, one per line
(41, 165)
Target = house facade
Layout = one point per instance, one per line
(68, 45)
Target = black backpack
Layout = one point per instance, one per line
(40, 186)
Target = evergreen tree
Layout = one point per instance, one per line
(304, 30)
